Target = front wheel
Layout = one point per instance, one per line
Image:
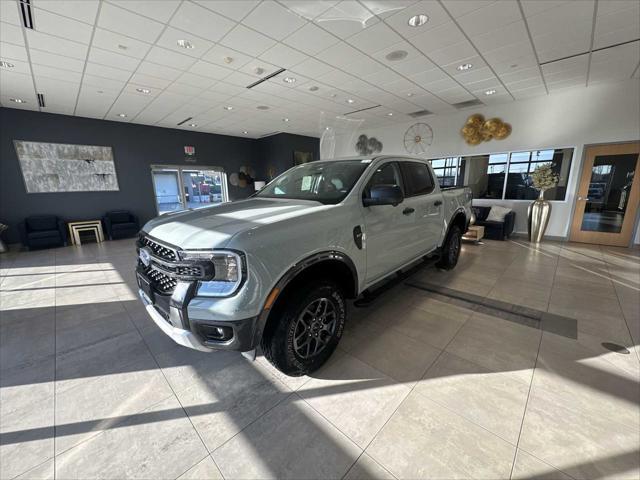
(309, 326)
(451, 249)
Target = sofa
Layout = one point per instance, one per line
(42, 231)
(120, 224)
(495, 230)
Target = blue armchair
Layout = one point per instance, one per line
(43, 231)
(120, 224)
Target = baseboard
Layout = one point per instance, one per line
(525, 235)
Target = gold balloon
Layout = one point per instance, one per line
(492, 125)
(486, 135)
(503, 132)
(468, 130)
(475, 119)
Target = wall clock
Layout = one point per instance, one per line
(418, 138)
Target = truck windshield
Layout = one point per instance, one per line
(325, 182)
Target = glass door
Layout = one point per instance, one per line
(166, 185)
(178, 188)
(608, 195)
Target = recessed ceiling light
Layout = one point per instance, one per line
(122, 115)
(17, 100)
(314, 88)
(245, 132)
(262, 107)
(418, 20)
(193, 125)
(288, 79)
(390, 114)
(258, 70)
(490, 92)
(228, 107)
(99, 91)
(333, 95)
(146, 91)
(327, 128)
(122, 47)
(396, 55)
(409, 94)
(227, 60)
(285, 119)
(350, 100)
(185, 44)
(4, 64)
(465, 66)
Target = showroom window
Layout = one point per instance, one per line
(504, 175)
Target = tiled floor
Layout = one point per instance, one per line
(424, 385)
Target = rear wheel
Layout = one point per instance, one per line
(308, 327)
(451, 249)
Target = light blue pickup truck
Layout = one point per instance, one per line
(274, 270)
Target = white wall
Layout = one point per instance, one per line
(572, 118)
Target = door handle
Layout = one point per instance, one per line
(408, 211)
(437, 203)
(586, 199)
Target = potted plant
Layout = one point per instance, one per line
(543, 178)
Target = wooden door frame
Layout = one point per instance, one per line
(629, 226)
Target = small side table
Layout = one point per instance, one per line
(94, 226)
(475, 233)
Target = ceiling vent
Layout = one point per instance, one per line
(26, 13)
(185, 120)
(420, 113)
(467, 104)
(41, 100)
(277, 72)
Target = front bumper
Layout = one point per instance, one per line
(170, 313)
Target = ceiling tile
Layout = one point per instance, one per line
(199, 21)
(57, 61)
(159, 71)
(438, 38)
(283, 56)
(514, 32)
(617, 22)
(17, 85)
(19, 66)
(195, 80)
(128, 104)
(247, 41)
(494, 16)
(210, 70)
(15, 52)
(64, 27)
(307, 9)
(374, 38)
(127, 23)
(160, 11)
(218, 53)
(84, 11)
(112, 59)
(273, 20)
(240, 79)
(455, 53)
(107, 72)
(312, 68)
(170, 37)
(10, 13)
(346, 19)
(184, 89)
(11, 33)
(311, 39)
(250, 68)
(234, 9)
(118, 43)
(458, 8)
(400, 20)
(101, 84)
(170, 58)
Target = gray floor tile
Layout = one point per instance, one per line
(366, 468)
(353, 396)
(528, 467)
(205, 469)
(160, 443)
(290, 441)
(425, 440)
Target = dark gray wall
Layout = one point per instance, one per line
(135, 148)
(277, 151)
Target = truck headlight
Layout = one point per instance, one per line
(229, 269)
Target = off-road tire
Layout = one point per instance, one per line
(451, 249)
(279, 341)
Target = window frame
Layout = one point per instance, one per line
(396, 163)
(570, 174)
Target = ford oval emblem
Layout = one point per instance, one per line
(145, 256)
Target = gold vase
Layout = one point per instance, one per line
(538, 212)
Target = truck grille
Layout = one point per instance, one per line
(158, 249)
(161, 282)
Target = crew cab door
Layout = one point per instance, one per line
(423, 197)
(386, 227)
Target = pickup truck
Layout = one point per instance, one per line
(274, 270)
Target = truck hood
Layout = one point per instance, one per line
(213, 227)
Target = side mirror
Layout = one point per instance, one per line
(384, 195)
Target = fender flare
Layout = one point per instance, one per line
(292, 273)
(456, 213)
